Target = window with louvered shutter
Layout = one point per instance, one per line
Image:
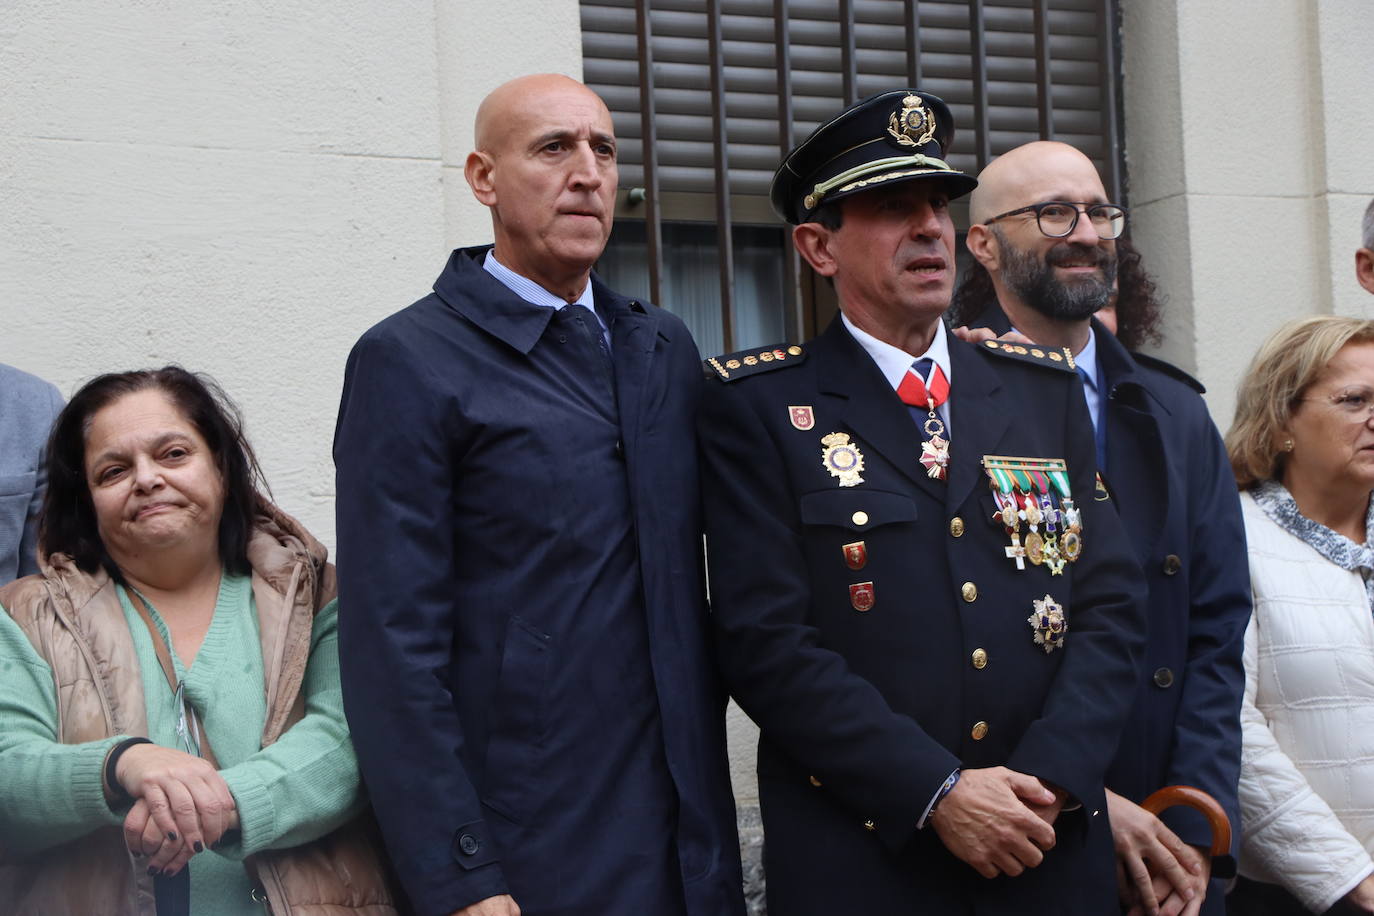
(1011, 72)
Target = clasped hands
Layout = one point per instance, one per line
(182, 805)
(1156, 872)
(998, 820)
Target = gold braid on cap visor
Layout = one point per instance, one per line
(868, 168)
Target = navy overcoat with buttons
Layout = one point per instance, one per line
(1172, 482)
(526, 663)
(864, 712)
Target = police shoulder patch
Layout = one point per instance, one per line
(1050, 357)
(732, 367)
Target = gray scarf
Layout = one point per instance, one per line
(1282, 509)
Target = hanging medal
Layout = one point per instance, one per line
(1071, 542)
(1053, 558)
(928, 394)
(1035, 545)
(935, 449)
(1009, 514)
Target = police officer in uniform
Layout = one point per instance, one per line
(922, 596)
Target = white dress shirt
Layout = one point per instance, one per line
(893, 362)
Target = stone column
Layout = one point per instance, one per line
(1248, 147)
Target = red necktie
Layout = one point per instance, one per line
(926, 393)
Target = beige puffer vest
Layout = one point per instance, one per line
(75, 622)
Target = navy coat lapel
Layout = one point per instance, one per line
(978, 416)
(1135, 444)
(467, 288)
(844, 370)
(639, 379)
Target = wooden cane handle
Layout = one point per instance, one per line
(1200, 801)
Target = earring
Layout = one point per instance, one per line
(1288, 445)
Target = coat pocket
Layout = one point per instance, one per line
(856, 511)
(518, 720)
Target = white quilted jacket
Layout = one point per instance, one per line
(1307, 769)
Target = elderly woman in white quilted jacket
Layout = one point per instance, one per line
(1302, 448)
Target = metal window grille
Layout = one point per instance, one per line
(707, 96)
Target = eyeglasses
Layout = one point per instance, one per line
(1057, 218)
(1356, 404)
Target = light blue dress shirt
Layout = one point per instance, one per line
(535, 294)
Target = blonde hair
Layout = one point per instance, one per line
(1284, 368)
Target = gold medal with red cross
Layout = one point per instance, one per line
(935, 456)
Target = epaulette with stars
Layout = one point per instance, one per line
(734, 366)
(1050, 357)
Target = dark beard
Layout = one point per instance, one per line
(1032, 280)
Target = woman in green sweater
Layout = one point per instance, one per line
(169, 683)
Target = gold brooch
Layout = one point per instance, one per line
(841, 459)
(1048, 624)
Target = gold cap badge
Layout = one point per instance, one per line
(912, 124)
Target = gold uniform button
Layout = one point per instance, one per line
(1172, 564)
(815, 782)
(969, 591)
(980, 731)
(956, 527)
(869, 825)
(859, 518)
(794, 350)
(980, 659)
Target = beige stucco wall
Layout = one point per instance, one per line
(242, 188)
(1249, 136)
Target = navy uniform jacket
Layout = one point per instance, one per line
(526, 671)
(865, 713)
(1171, 481)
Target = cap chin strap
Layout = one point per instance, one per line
(877, 165)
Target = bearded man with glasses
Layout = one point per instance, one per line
(1044, 238)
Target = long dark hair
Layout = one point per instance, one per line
(68, 523)
(1137, 302)
(973, 294)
